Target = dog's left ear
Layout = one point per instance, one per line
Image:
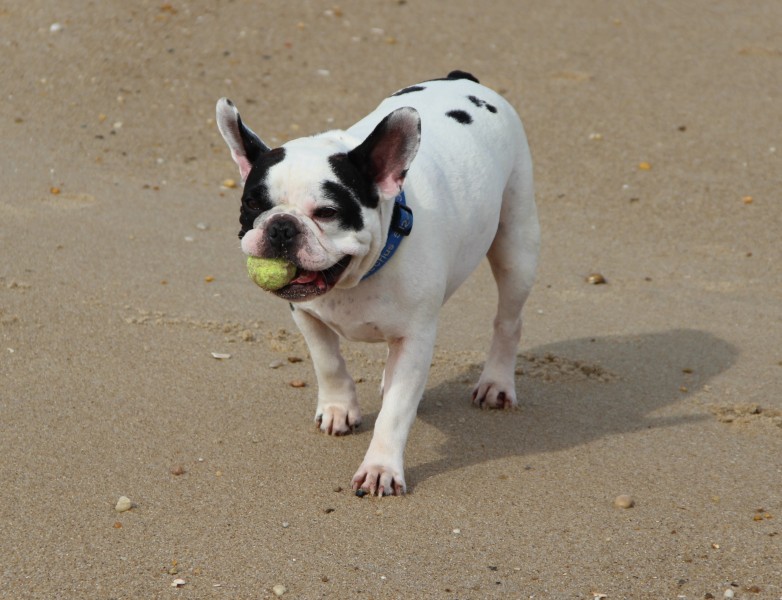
(385, 156)
(245, 146)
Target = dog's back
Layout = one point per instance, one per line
(473, 151)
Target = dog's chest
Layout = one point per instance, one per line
(357, 319)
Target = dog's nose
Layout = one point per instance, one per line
(281, 233)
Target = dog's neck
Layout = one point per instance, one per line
(401, 226)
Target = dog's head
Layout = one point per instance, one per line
(324, 202)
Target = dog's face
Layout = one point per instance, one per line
(323, 203)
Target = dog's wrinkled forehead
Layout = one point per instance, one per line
(308, 174)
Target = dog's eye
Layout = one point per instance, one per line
(325, 213)
(252, 203)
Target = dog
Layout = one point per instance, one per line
(383, 222)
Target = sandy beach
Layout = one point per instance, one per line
(656, 132)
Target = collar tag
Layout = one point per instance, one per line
(401, 226)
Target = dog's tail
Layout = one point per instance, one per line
(462, 75)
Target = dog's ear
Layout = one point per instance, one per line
(385, 156)
(245, 146)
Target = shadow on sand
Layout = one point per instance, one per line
(572, 392)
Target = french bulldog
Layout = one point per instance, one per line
(383, 222)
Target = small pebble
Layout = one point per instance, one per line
(624, 501)
(123, 504)
(177, 583)
(298, 383)
(285, 524)
(729, 594)
(456, 531)
(229, 183)
(596, 279)
(645, 166)
(177, 470)
(220, 356)
(279, 589)
(276, 364)
(202, 226)
(361, 493)
(55, 27)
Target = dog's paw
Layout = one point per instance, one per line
(492, 394)
(380, 480)
(335, 419)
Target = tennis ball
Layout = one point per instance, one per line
(270, 273)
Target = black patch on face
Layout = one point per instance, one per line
(408, 90)
(482, 104)
(351, 177)
(348, 208)
(459, 116)
(255, 198)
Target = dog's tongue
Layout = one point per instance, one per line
(305, 277)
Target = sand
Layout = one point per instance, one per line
(655, 129)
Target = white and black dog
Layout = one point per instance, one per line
(383, 222)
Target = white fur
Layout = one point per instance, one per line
(471, 192)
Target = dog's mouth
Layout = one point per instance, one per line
(309, 284)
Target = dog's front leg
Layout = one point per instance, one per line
(409, 359)
(338, 412)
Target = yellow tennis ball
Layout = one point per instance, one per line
(270, 273)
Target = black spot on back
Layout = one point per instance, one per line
(460, 116)
(462, 75)
(456, 75)
(347, 205)
(482, 104)
(408, 90)
(255, 197)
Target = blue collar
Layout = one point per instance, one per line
(401, 226)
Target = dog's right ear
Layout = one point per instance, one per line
(245, 146)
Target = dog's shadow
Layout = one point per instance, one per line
(570, 393)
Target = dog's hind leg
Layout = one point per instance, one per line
(513, 257)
